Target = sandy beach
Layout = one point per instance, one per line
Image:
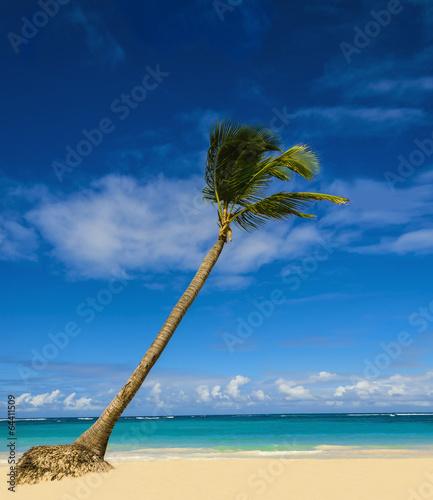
(270, 479)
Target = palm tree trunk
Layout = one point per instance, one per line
(96, 437)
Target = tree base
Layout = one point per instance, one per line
(52, 463)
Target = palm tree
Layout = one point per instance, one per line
(242, 161)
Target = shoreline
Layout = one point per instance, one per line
(321, 452)
(243, 479)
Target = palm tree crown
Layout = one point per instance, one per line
(242, 161)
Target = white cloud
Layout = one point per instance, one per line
(230, 394)
(404, 211)
(292, 391)
(232, 388)
(38, 400)
(384, 390)
(154, 396)
(418, 242)
(24, 398)
(375, 205)
(83, 403)
(27, 402)
(357, 120)
(260, 395)
(120, 226)
(17, 242)
(322, 377)
(203, 393)
(363, 389)
(192, 394)
(216, 392)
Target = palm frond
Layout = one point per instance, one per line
(300, 159)
(279, 206)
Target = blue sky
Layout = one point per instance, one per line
(106, 108)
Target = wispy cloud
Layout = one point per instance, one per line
(414, 242)
(357, 120)
(121, 226)
(17, 240)
(103, 48)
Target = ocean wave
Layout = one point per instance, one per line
(291, 452)
(86, 418)
(369, 414)
(32, 419)
(414, 414)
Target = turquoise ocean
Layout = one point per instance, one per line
(242, 436)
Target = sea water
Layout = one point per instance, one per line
(243, 436)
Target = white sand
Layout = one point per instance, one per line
(272, 479)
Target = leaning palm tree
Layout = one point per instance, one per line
(242, 161)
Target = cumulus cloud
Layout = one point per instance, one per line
(54, 400)
(230, 394)
(216, 392)
(302, 392)
(232, 388)
(154, 396)
(38, 400)
(203, 393)
(404, 389)
(71, 403)
(292, 391)
(259, 395)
